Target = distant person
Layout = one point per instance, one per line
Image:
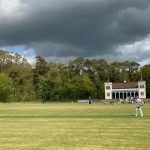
(138, 104)
(90, 102)
(131, 100)
(144, 101)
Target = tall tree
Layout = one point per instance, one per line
(145, 73)
(6, 87)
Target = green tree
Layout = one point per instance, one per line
(41, 65)
(145, 73)
(85, 87)
(6, 87)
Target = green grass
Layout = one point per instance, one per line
(73, 126)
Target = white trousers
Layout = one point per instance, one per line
(139, 110)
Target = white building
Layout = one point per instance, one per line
(124, 90)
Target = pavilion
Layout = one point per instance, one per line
(125, 89)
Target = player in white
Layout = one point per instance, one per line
(138, 104)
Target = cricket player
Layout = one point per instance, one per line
(90, 103)
(138, 104)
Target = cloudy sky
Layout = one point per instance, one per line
(60, 30)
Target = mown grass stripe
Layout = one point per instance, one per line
(59, 116)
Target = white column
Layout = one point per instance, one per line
(123, 94)
(115, 95)
(130, 94)
(134, 94)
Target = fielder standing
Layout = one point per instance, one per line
(138, 104)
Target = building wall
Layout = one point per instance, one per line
(108, 90)
(142, 89)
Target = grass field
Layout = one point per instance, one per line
(73, 126)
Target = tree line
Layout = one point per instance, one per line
(51, 81)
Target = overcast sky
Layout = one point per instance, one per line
(60, 30)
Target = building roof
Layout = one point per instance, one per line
(127, 85)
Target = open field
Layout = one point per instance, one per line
(73, 126)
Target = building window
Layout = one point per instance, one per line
(142, 86)
(142, 93)
(107, 87)
(108, 94)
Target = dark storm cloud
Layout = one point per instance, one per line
(63, 28)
